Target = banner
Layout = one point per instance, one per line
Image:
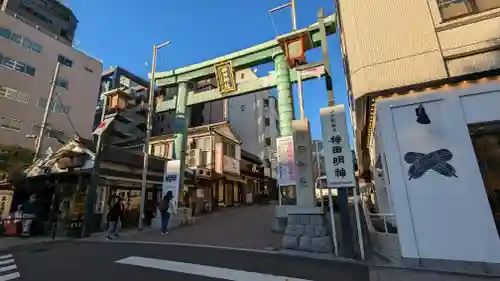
(339, 166)
(287, 173)
(171, 178)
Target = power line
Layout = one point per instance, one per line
(274, 25)
(67, 115)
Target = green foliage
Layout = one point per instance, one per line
(13, 160)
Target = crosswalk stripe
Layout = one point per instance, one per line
(5, 257)
(8, 268)
(10, 276)
(204, 270)
(4, 262)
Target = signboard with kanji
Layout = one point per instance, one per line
(287, 174)
(224, 73)
(339, 167)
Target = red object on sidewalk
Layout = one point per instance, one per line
(12, 228)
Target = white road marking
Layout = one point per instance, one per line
(4, 262)
(5, 257)
(10, 276)
(203, 270)
(8, 268)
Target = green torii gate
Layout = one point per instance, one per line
(282, 78)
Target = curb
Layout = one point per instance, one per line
(267, 250)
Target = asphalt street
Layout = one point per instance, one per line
(83, 261)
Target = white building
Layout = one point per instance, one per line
(255, 119)
(423, 81)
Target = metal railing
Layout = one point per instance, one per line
(369, 215)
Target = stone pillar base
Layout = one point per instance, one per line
(308, 232)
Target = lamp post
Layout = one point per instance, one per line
(149, 127)
(299, 73)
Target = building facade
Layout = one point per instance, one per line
(422, 78)
(129, 126)
(28, 61)
(214, 152)
(255, 119)
(48, 15)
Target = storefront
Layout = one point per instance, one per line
(436, 163)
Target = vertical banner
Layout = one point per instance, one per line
(339, 166)
(287, 174)
(171, 178)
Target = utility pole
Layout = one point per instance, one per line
(149, 127)
(343, 198)
(94, 180)
(43, 126)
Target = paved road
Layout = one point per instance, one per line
(244, 227)
(83, 261)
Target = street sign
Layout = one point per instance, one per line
(339, 167)
(224, 73)
(287, 174)
(171, 178)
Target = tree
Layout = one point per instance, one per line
(13, 161)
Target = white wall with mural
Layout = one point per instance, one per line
(435, 184)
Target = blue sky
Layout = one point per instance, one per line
(122, 33)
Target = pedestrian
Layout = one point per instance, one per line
(167, 208)
(114, 214)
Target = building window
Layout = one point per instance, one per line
(266, 102)
(17, 65)
(65, 61)
(457, 8)
(277, 124)
(267, 123)
(242, 107)
(242, 75)
(11, 123)
(61, 82)
(229, 149)
(267, 142)
(50, 132)
(56, 107)
(14, 94)
(20, 40)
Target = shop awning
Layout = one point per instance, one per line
(235, 178)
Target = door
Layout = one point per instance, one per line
(486, 142)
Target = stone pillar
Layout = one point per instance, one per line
(285, 98)
(180, 130)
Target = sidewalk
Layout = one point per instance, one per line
(246, 227)
(7, 243)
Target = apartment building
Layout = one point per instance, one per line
(28, 58)
(255, 118)
(129, 125)
(48, 15)
(423, 76)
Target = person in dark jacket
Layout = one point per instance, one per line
(167, 208)
(114, 215)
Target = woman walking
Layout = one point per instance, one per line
(167, 208)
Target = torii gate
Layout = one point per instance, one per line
(282, 78)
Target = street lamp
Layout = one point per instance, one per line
(149, 127)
